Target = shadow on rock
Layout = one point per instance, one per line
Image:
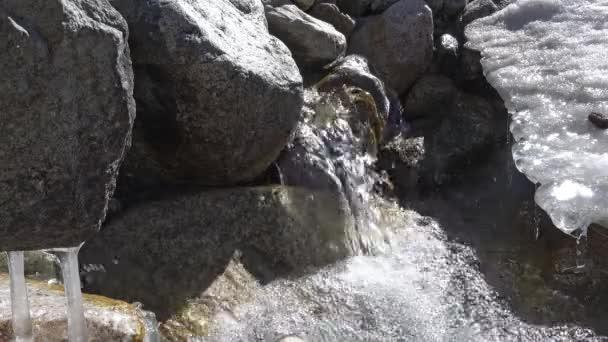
(164, 252)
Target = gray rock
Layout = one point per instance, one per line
(66, 121)
(313, 43)
(398, 43)
(163, 252)
(107, 319)
(356, 8)
(217, 95)
(330, 13)
(430, 98)
(478, 9)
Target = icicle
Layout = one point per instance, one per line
(581, 252)
(22, 323)
(68, 259)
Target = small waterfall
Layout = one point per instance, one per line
(68, 259)
(22, 323)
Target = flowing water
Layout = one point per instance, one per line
(22, 324)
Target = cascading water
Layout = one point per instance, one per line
(22, 323)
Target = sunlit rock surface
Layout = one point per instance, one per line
(107, 319)
(549, 62)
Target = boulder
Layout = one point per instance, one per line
(398, 43)
(217, 95)
(107, 319)
(313, 42)
(331, 14)
(66, 121)
(164, 252)
(477, 9)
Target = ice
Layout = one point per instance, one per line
(548, 59)
(68, 259)
(22, 323)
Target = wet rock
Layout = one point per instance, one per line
(217, 95)
(66, 119)
(599, 120)
(478, 9)
(354, 71)
(429, 99)
(235, 286)
(402, 159)
(330, 13)
(356, 8)
(107, 319)
(398, 43)
(164, 252)
(448, 53)
(313, 42)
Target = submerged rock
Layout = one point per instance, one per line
(217, 95)
(107, 319)
(66, 119)
(398, 43)
(313, 42)
(164, 252)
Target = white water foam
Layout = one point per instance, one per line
(548, 59)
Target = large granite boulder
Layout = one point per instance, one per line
(107, 319)
(67, 113)
(398, 43)
(163, 252)
(313, 42)
(217, 95)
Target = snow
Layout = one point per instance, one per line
(548, 59)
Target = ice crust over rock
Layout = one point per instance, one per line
(548, 59)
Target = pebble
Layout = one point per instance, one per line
(599, 120)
